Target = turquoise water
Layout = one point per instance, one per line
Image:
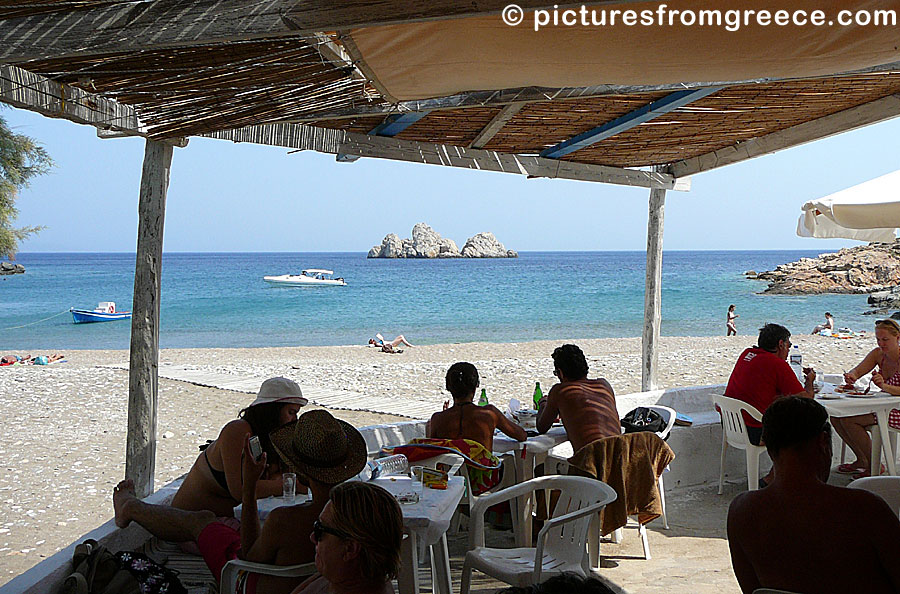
(220, 300)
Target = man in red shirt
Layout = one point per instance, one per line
(762, 374)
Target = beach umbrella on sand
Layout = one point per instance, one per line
(869, 211)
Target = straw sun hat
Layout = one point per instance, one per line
(279, 389)
(321, 447)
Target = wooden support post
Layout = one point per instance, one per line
(143, 382)
(653, 290)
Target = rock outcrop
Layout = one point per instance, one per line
(863, 269)
(10, 268)
(485, 245)
(428, 243)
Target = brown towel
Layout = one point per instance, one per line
(631, 464)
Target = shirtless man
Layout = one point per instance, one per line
(801, 534)
(587, 406)
(329, 452)
(466, 420)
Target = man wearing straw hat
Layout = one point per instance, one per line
(322, 450)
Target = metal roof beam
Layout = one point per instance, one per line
(541, 94)
(850, 119)
(630, 120)
(335, 142)
(397, 123)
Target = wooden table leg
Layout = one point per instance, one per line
(408, 580)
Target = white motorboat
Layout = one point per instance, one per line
(312, 277)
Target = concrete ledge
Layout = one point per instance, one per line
(48, 575)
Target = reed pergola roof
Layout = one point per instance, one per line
(251, 64)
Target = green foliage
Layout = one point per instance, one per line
(21, 159)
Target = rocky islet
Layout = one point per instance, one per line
(428, 243)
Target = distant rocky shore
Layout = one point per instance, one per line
(10, 268)
(428, 243)
(859, 270)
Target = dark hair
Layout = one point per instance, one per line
(263, 419)
(564, 583)
(371, 516)
(462, 379)
(570, 360)
(770, 335)
(730, 307)
(828, 313)
(791, 421)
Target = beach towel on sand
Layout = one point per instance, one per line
(481, 464)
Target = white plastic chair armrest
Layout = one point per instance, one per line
(670, 423)
(235, 565)
(476, 514)
(553, 522)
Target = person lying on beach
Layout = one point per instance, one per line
(885, 361)
(388, 347)
(30, 360)
(466, 420)
(322, 450)
(828, 325)
(587, 406)
(357, 538)
(801, 534)
(214, 481)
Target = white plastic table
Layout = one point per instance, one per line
(880, 404)
(426, 524)
(526, 454)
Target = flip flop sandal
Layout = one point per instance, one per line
(848, 469)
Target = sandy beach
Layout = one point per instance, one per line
(63, 439)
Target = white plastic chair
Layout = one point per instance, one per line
(734, 434)
(557, 462)
(229, 580)
(886, 487)
(560, 543)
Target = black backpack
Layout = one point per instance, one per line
(643, 419)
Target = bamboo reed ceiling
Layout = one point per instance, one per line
(186, 91)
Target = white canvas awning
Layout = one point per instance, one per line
(869, 211)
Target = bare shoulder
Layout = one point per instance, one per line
(294, 515)
(235, 428)
(743, 506)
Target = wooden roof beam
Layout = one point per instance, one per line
(856, 117)
(630, 120)
(496, 124)
(154, 24)
(34, 92)
(336, 142)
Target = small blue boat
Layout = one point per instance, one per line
(104, 312)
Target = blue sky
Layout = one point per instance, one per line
(241, 197)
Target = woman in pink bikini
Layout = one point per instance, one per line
(885, 361)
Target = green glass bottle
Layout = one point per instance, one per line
(537, 394)
(482, 400)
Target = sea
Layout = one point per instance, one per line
(221, 300)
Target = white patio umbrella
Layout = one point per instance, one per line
(869, 211)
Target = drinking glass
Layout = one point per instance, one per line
(289, 484)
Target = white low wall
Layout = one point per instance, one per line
(47, 576)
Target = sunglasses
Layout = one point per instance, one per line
(319, 529)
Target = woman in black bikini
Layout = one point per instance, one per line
(214, 481)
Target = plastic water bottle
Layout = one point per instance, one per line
(796, 362)
(482, 400)
(538, 394)
(396, 464)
